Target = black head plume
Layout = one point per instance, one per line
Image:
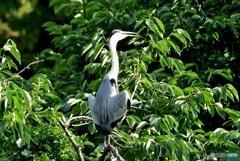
(115, 31)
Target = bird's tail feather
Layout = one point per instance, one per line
(104, 129)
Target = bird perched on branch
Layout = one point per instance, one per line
(109, 106)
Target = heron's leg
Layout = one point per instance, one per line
(105, 140)
(108, 143)
(108, 140)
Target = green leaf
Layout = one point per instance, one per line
(172, 121)
(62, 7)
(55, 2)
(220, 130)
(233, 29)
(55, 57)
(175, 46)
(78, 21)
(20, 142)
(88, 143)
(98, 49)
(148, 144)
(226, 73)
(208, 97)
(131, 121)
(71, 59)
(160, 24)
(181, 38)
(234, 135)
(162, 45)
(11, 63)
(26, 153)
(226, 138)
(16, 55)
(154, 39)
(49, 24)
(66, 28)
(147, 83)
(211, 110)
(165, 61)
(178, 90)
(215, 35)
(27, 98)
(88, 66)
(157, 150)
(89, 54)
(7, 72)
(234, 115)
(17, 103)
(233, 91)
(219, 108)
(141, 125)
(194, 108)
(178, 64)
(153, 27)
(91, 9)
(86, 48)
(19, 118)
(223, 92)
(12, 48)
(103, 14)
(167, 15)
(235, 16)
(200, 131)
(165, 126)
(195, 17)
(3, 125)
(184, 33)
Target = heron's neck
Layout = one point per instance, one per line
(115, 62)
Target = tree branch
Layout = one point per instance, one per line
(70, 137)
(27, 67)
(76, 119)
(114, 151)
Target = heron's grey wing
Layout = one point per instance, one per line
(118, 105)
(91, 102)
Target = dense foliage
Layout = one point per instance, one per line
(179, 68)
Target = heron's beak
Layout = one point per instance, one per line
(127, 33)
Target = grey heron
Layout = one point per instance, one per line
(109, 106)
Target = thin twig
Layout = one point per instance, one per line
(200, 7)
(135, 87)
(76, 146)
(15, 154)
(77, 118)
(121, 144)
(27, 67)
(86, 123)
(141, 109)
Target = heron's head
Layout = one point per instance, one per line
(118, 35)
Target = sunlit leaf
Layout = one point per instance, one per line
(219, 108)
(233, 91)
(160, 24)
(20, 142)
